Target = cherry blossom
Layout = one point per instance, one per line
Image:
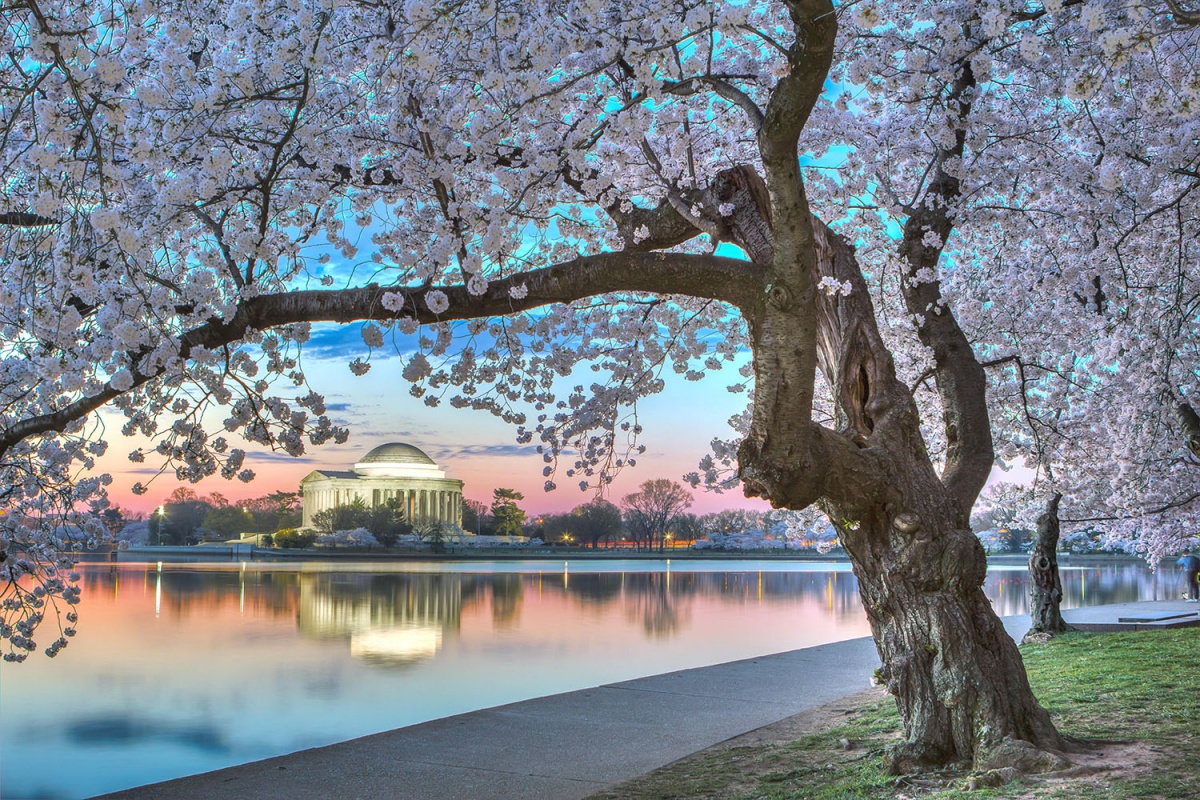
(997, 199)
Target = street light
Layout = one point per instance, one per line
(162, 510)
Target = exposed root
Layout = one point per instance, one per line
(1020, 755)
(910, 760)
(993, 778)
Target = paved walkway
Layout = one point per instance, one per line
(568, 746)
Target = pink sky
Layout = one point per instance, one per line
(472, 446)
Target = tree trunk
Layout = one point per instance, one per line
(956, 674)
(1046, 592)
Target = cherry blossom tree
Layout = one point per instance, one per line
(543, 189)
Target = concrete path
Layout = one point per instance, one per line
(568, 746)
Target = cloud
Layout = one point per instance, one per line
(271, 455)
(330, 341)
(487, 451)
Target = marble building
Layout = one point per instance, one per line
(390, 470)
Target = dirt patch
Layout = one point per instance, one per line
(814, 720)
(1099, 765)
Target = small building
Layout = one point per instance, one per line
(394, 470)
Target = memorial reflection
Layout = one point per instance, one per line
(400, 619)
(388, 620)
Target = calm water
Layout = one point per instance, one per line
(193, 667)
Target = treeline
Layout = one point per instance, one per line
(187, 518)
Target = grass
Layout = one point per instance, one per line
(1118, 693)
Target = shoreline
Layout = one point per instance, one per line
(216, 553)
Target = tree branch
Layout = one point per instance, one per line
(733, 281)
(961, 383)
(1183, 16)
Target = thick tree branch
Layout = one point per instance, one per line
(960, 379)
(24, 219)
(733, 281)
(1189, 420)
(1188, 18)
(723, 89)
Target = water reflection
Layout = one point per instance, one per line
(127, 730)
(189, 667)
(396, 619)
(388, 620)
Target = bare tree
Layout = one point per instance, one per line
(656, 506)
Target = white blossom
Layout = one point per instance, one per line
(392, 301)
(436, 301)
(372, 335)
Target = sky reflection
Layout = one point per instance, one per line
(192, 667)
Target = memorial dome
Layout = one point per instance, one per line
(397, 460)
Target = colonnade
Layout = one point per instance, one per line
(419, 505)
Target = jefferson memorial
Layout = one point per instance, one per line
(397, 470)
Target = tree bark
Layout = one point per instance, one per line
(956, 674)
(1046, 591)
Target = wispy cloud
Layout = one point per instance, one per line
(486, 451)
(279, 457)
(339, 342)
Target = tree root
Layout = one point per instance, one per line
(1020, 755)
(910, 760)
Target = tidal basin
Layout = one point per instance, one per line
(185, 668)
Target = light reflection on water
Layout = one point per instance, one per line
(191, 667)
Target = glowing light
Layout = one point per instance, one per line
(396, 646)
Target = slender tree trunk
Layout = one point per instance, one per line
(1046, 590)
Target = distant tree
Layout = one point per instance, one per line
(386, 522)
(556, 527)
(217, 500)
(596, 521)
(475, 516)
(639, 527)
(657, 505)
(349, 516)
(687, 527)
(182, 494)
(274, 511)
(433, 534)
(292, 539)
(182, 517)
(507, 516)
(228, 521)
(732, 520)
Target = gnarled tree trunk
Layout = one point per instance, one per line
(1045, 593)
(956, 674)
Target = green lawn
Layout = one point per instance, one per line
(1128, 695)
